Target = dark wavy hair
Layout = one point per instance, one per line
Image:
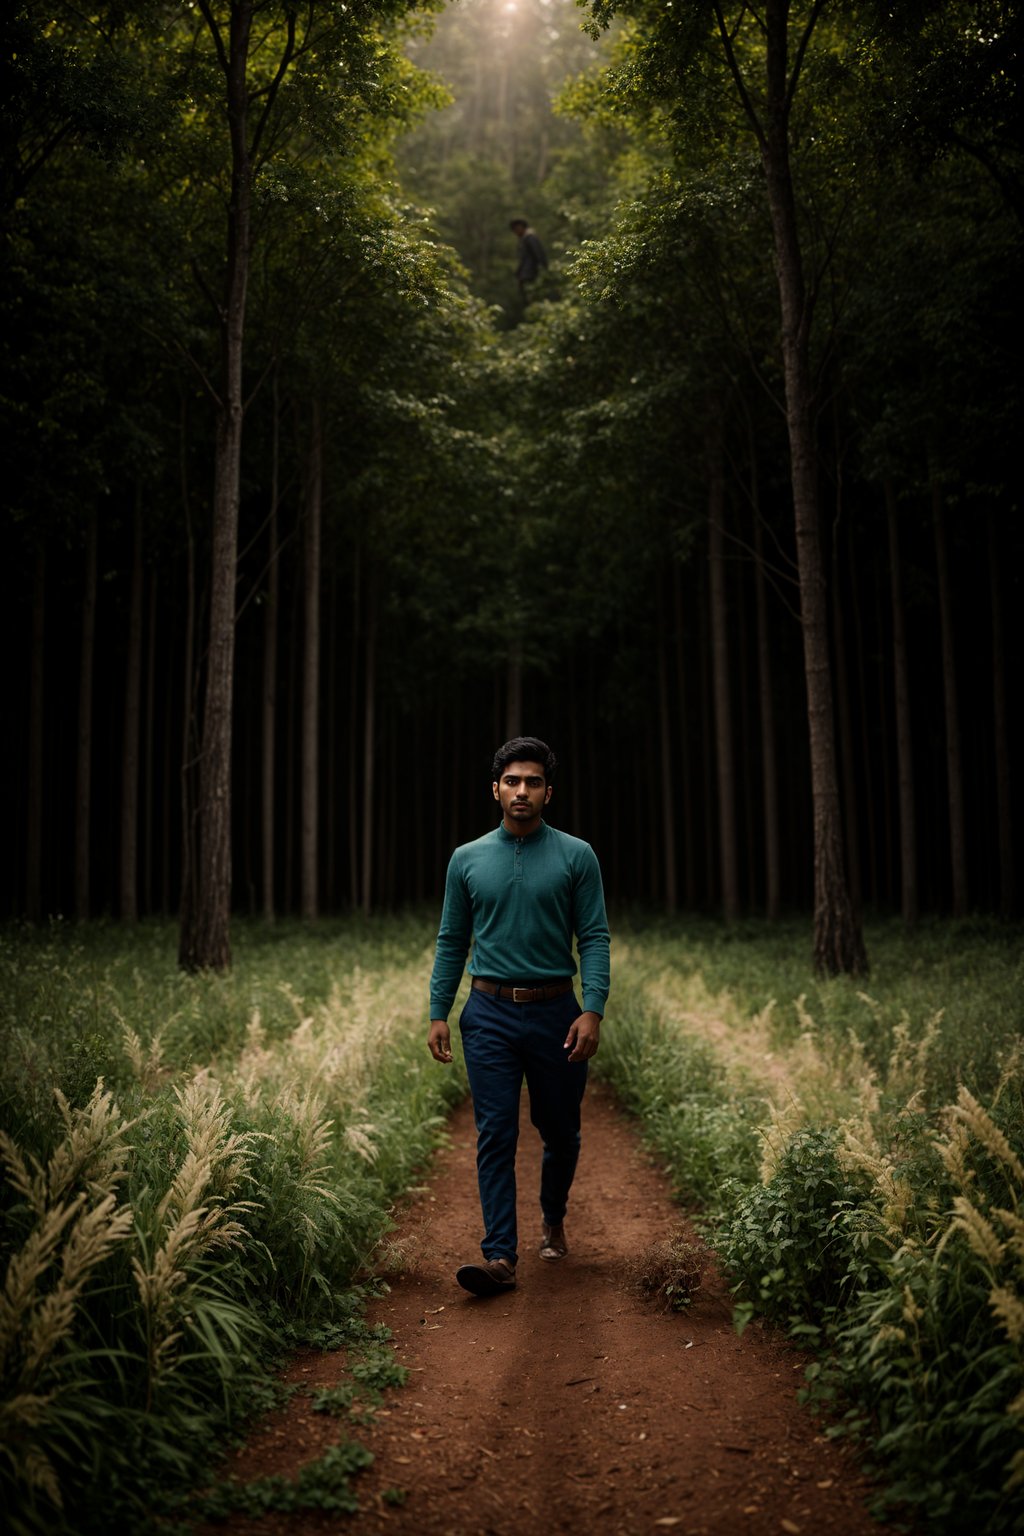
(524, 749)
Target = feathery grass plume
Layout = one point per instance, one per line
(147, 1063)
(1014, 1225)
(190, 1220)
(1011, 1065)
(859, 1152)
(908, 1058)
(1009, 1311)
(980, 1233)
(360, 1139)
(216, 1157)
(93, 1153)
(953, 1149)
(776, 1133)
(42, 1287)
(984, 1129)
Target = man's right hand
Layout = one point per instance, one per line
(440, 1040)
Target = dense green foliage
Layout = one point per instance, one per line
(518, 500)
(858, 1160)
(197, 1172)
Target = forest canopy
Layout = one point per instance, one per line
(309, 505)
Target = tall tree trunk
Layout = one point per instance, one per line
(207, 944)
(845, 710)
(1001, 729)
(187, 902)
(685, 770)
(129, 891)
(311, 669)
(904, 744)
(766, 705)
(724, 756)
(271, 621)
(369, 744)
(331, 830)
(954, 761)
(865, 735)
(150, 765)
(36, 716)
(838, 940)
(83, 774)
(668, 802)
(353, 737)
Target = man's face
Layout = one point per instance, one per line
(522, 793)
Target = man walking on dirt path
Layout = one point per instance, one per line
(521, 893)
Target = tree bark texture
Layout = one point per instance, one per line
(208, 945)
(766, 703)
(36, 704)
(1001, 730)
(904, 741)
(311, 669)
(369, 744)
(954, 761)
(83, 773)
(838, 941)
(129, 887)
(268, 705)
(725, 765)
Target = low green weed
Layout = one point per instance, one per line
(324, 1484)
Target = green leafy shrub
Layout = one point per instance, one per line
(787, 1242)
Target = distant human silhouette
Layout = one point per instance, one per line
(531, 255)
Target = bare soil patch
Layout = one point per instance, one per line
(569, 1405)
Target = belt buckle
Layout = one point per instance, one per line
(522, 994)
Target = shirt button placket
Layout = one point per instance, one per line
(517, 862)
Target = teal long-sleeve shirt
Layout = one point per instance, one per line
(520, 900)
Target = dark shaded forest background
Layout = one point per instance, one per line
(462, 516)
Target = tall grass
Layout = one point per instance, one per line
(858, 1152)
(197, 1169)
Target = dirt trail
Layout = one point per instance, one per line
(569, 1405)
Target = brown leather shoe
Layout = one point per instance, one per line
(489, 1278)
(553, 1245)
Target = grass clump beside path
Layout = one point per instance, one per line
(197, 1170)
(857, 1149)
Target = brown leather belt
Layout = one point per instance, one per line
(536, 994)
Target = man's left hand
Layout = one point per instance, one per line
(584, 1036)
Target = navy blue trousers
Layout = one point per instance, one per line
(503, 1043)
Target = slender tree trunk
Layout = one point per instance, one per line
(668, 820)
(207, 945)
(904, 745)
(36, 717)
(707, 755)
(83, 775)
(130, 735)
(766, 703)
(954, 761)
(353, 737)
(311, 670)
(865, 735)
(369, 743)
(330, 882)
(271, 621)
(724, 756)
(838, 941)
(1001, 730)
(188, 708)
(845, 710)
(686, 774)
(150, 765)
